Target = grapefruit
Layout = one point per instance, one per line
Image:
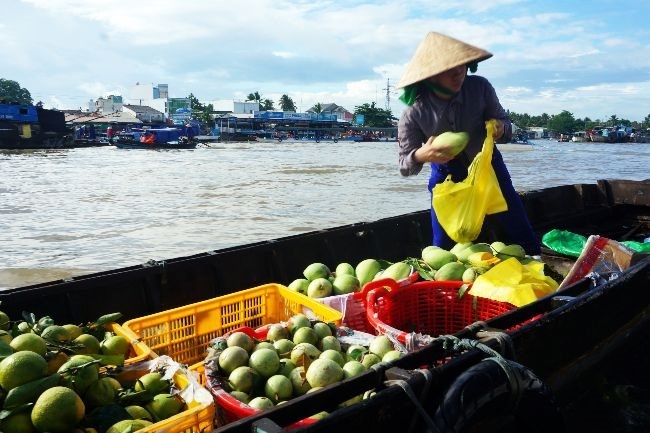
(20, 368)
(57, 410)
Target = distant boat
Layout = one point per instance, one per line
(162, 138)
(579, 137)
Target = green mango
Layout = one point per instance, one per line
(396, 271)
(450, 272)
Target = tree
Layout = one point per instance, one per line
(287, 104)
(255, 97)
(613, 120)
(10, 91)
(267, 105)
(374, 116)
(563, 122)
(318, 108)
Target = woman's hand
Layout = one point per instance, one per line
(498, 130)
(428, 153)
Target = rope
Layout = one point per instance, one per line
(450, 342)
(506, 346)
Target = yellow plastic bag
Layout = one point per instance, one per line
(461, 206)
(515, 283)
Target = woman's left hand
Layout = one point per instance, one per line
(498, 131)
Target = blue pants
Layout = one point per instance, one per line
(513, 223)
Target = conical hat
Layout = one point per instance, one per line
(439, 53)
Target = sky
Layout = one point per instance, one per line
(591, 58)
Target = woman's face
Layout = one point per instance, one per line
(452, 79)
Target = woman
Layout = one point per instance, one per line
(441, 97)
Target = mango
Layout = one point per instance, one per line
(450, 272)
(456, 249)
(451, 143)
(366, 270)
(396, 271)
(464, 254)
(513, 250)
(437, 257)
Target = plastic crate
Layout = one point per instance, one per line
(198, 417)
(229, 409)
(353, 305)
(184, 333)
(138, 351)
(427, 307)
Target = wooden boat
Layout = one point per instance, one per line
(575, 334)
(155, 138)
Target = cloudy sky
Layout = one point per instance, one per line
(591, 58)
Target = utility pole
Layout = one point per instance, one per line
(387, 89)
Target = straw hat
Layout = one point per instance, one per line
(439, 53)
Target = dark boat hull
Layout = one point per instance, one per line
(577, 334)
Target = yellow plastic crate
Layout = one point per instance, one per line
(184, 333)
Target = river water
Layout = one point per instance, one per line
(75, 211)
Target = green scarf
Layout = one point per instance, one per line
(410, 92)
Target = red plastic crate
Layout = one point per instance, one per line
(427, 307)
(230, 409)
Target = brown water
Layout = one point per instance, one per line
(68, 212)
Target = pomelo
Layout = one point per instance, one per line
(57, 410)
(20, 368)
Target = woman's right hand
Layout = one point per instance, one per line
(428, 153)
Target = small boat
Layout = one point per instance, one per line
(551, 350)
(579, 137)
(155, 138)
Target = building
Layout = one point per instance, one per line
(110, 104)
(341, 113)
(144, 113)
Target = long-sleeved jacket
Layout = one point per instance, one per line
(467, 111)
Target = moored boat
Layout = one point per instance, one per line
(574, 332)
(155, 138)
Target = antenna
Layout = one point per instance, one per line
(387, 89)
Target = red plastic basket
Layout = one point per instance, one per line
(229, 409)
(353, 305)
(427, 307)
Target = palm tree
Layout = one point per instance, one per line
(287, 104)
(255, 97)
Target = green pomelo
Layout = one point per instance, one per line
(304, 353)
(89, 344)
(242, 379)
(344, 284)
(299, 285)
(164, 406)
(20, 368)
(370, 359)
(450, 272)
(241, 396)
(305, 335)
(380, 345)
(56, 334)
(286, 365)
(264, 345)
(261, 403)
(355, 352)
(323, 372)
(316, 270)
(278, 388)
(329, 342)
(58, 409)
(115, 345)
(138, 412)
(366, 270)
(438, 257)
(152, 382)
(284, 347)
(319, 288)
(265, 361)
(299, 381)
(322, 329)
(132, 425)
(29, 341)
(231, 358)
(391, 355)
(101, 393)
(240, 339)
(344, 268)
(353, 368)
(298, 321)
(276, 332)
(334, 355)
(79, 372)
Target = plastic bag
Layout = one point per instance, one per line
(564, 242)
(513, 282)
(461, 206)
